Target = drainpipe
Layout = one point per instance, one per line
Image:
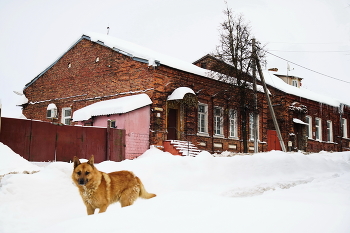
(108, 149)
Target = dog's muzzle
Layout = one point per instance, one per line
(82, 181)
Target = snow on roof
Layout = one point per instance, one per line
(113, 106)
(141, 53)
(179, 93)
(51, 106)
(279, 84)
(135, 50)
(298, 121)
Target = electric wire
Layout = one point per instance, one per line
(308, 68)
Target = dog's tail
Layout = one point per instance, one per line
(143, 192)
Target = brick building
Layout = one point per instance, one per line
(308, 121)
(99, 67)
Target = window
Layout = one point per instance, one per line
(308, 120)
(66, 116)
(112, 124)
(233, 123)
(344, 124)
(329, 131)
(51, 111)
(202, 118)
(295, 83)
(251, 126)
(318, 129)
(218, 122)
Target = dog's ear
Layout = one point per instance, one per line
(91, 161)
(76, 161)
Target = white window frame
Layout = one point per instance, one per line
(251, 126)
(345, 127)
(233, 132)
(203, 129)
(309, 126)
(218, 122)
(318, 125)
(329, 131)
(65, 117)
(295, 83)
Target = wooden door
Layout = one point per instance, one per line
(172, 124)
(272, 141)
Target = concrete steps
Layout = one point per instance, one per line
(183, 148)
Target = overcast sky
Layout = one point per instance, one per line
(311, 33)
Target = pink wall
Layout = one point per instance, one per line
(136, 124)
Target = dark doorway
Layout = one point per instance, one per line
(172, 124)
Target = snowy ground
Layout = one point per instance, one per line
(266, 192)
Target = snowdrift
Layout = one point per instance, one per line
(265, 192)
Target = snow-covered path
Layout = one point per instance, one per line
(266, 192)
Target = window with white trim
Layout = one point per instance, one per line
(233, 123)
(308, 120)
(218, 121)
(202, 118)
(318, 133)
(329, 131)
(344, 123)
(251, 126)
(66, 116)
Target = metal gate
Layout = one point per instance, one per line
(42, 141)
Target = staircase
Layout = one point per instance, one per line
(183, 148)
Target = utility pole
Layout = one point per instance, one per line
(279, 135)
(255, 112)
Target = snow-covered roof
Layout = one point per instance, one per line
(179, 93)
(274, 81)
(151, 56)
(154, 58)
(113, 106)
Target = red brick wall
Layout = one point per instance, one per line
(77, 80)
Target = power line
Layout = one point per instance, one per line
(307, 68)
(312, 51)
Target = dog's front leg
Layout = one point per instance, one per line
(103, 209)
(90, 210)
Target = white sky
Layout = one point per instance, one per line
(34, 33)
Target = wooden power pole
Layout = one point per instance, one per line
(255, 112)
(279, 135)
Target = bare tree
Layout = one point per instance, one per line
(234, 56)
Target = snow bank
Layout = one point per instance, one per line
(265, 192)
(10, 162)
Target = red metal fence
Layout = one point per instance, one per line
(42, 141)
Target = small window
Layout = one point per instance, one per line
(308, 120)
(329, 131)
(112, 124)
(233, 123)
(318, 133)
(218, 121)
(202, 118)
(344, 127)
(51, 111)
(251, 126)
(66, 116)
(295, 83)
